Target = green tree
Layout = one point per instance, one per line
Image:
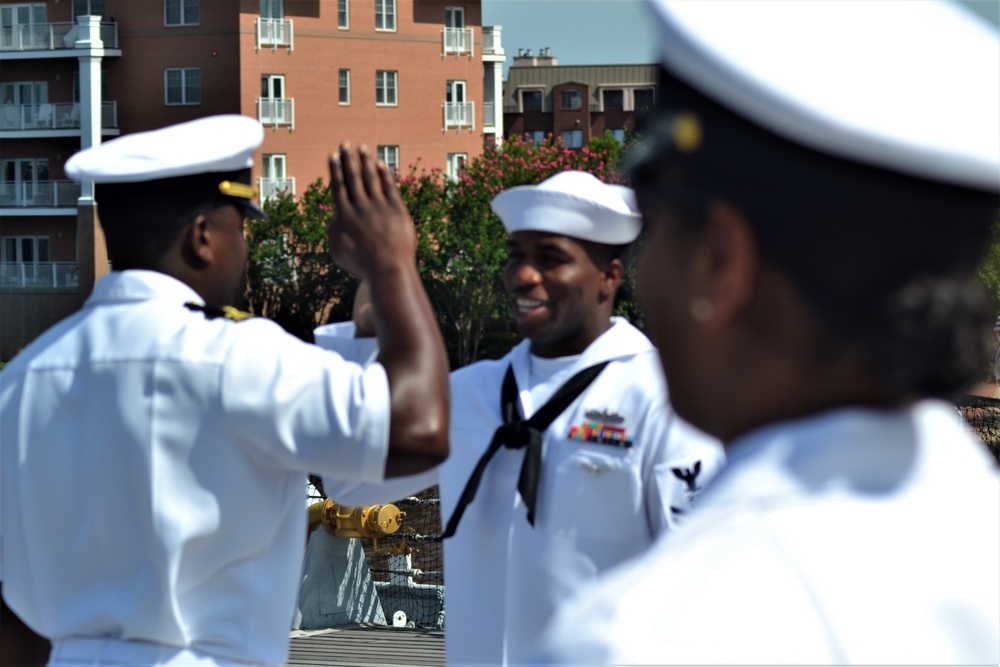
(290, 276)
(989, 270)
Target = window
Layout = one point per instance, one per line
(385, 14)
(24, 92)
(389, 155)
(531, 100)
(344, 84)
(537, 136)
(454, 17)
(456, 164)
(25, 249)
(385, 88)
(275, 179)
(571, 100)
(183, 86)
(643, 99)
(272, 9)
(343, 14)
(613, 99)
(572, 138)
(23, 25)
(619, 135)
(180, 12)
(274, 107)
(21, 180)
(88, 8)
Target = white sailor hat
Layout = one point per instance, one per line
(218, 148)
(571, 203)
(908, 87)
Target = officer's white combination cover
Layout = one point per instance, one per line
(223, 143)
(912, 86)
(571, 203)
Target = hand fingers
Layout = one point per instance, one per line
(351, 170)
(389, 189)
(337, 189)
(369, 175)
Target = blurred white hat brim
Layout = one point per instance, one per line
(910, 86)
(224, 143)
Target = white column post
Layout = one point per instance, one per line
(89, 40)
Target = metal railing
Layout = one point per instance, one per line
(459, 114)
(275, 33)
(39, 194)
(276, 111)
(273, 187)
(50, 36)
(457, 41)
(39, 274)
(489, 119)
(52, 116)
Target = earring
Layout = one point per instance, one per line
(702, 309)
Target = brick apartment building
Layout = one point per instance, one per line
(574, 102)
(414, 79)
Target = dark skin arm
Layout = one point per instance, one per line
(372, 236)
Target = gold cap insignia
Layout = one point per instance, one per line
(685, 131)
(243, 190)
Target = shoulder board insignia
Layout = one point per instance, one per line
(226, 312)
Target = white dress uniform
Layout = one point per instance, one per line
(598, 505)
(852, 537)
(153, 462)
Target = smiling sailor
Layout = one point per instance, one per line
(566, 457)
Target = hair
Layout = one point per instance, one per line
(886, 262)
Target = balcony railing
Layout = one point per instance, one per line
(50, 36)
(52, 116)
(39, 274)
(459, 114)
(39, 194)
(457, 41)
(272, 187)
(275, 33)
(491, 40)
(489, 120)
(276, 111)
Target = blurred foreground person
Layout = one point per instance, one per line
(818, 190)
(154, 451)
(566, 457)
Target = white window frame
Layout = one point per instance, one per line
(185, 74)
(344, 14)
(454, 17)
(26, 21)
(344, 87)
(390, 156)
(386, 86)
(183, 11)
(619, 134)
(385, 15)
(456, 163)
